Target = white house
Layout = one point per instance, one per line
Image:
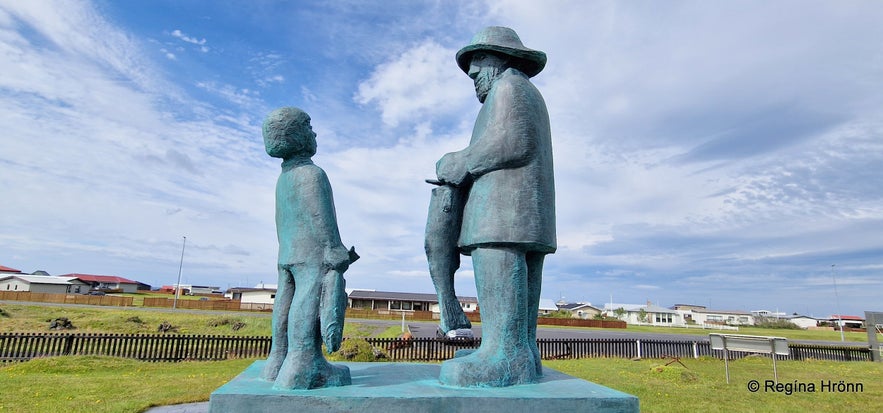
(848, 321)
(648, 314)
(547, 306)
(43, 284)
(204, 289)
(718, 317)
(802, 321)
(767, 314)
(256, 295)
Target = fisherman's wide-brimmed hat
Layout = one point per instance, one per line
(503, 40)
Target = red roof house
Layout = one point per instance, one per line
(10, 270)
(107, 282)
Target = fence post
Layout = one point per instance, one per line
(68, 345)
(638, 342)
(695, 350)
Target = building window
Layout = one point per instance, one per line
(715, 318)
(272, 296)
(395, 305)
(663, 318)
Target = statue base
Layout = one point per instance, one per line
(394, 387)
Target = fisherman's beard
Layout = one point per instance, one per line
(484, 80)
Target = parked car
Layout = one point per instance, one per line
(97, 293)
(460, 335)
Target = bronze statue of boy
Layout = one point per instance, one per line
(310, 300)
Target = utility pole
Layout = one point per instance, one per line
(180, 267)
(837, 301)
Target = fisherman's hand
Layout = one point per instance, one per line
(337, 258)
(451, 168)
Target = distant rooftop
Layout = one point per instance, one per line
(389, 295)
(101, 278)
(41, 279)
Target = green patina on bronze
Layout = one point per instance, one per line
(504, 183)
(310, 300)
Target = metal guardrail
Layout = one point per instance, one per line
(774, 346)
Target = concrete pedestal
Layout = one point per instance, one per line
(403, 387)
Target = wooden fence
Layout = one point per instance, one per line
(147, 347)
(107, 300)
(576, 322)
(391, 314)
(227, 305)
(170, 347)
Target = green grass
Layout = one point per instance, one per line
(105, 384)
(23, 318)
(702, 385)
(129, 320)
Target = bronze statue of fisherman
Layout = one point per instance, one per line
(496, 202)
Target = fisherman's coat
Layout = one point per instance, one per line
(511, 201)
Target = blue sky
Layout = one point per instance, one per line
(720, 154)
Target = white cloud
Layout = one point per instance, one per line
(199, 42)
(704, 150)
(418, 83)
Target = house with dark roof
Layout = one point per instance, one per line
(582, 311)
(388, 300)
(107, 282)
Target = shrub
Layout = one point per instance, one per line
(775, 323)
(357, 349)
(219, 322)
(558, 314)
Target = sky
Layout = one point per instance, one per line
(726, 154)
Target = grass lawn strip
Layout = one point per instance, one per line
(104, 384)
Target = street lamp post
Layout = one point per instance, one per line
(180, 267)
(837, 301)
